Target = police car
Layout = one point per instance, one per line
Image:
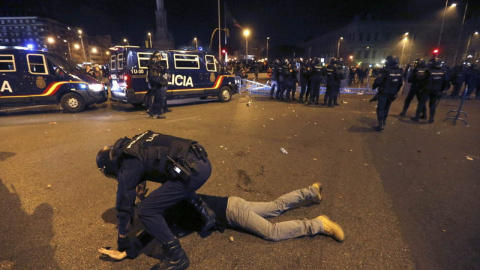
(30, 77)
(192, 74)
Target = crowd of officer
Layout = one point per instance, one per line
(310, 75)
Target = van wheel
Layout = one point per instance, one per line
(72, 103)
(225, 94)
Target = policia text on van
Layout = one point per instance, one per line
(36, 77)
(192, 74)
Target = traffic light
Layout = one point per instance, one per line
(224, 51)
(435, 52)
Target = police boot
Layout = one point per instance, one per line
(176, 259)
(331, 228)
(404, 111)
(381, 126)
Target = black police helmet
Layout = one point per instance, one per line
(105, 163)
(391, 61)
(435, 62)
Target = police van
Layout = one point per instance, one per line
(31, 77)
(192, 74)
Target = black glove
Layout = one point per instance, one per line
(123, 243)
(142, 190)
(375, 98)
(206, 213)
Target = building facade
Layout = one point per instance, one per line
(46, 34)
(368, 42)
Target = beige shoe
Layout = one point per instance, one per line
(318, 187)
(331, 228)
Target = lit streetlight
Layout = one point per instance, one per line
(50, 40)
(468, 43)
(83, 47)
(150, 37)
(126, 41)
(68, 46)
(460, 36)
(443, 22)
(246, 33)
(196, 43)
(405, 39)
(268, 38)
(338, 46)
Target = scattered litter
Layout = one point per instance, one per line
(249, 102)
(351, 150)
(366, 164)
(444, 230)
(345, 102)
(360, 94)
(315, 159)
(263, 125)
(283, 150)
(52, 123)
(49, 186)
(231, 239)
(221, 146)
(340, 197)
(400, 163)
(271, 119)
(470, 157)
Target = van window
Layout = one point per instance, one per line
(143, 59)
(120, 61)
(113, 62)
(210, 63)
(7, 63)
(37, 64)
(186, 61)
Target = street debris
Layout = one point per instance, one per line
(231, 239)
(52, 123)
(470, 157)
(283, 150)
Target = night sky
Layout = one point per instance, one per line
(285, 22)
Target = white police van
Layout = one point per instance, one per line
(31, 77)
(193, 74)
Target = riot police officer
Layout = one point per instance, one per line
(388, 84)
(281, 81)
(458, 80)
(305, 74)
(315, 81)
(158, 81)
(181, 165)
(290, 81)
(435, 82)
(416, 78)
(275, 85)
(334, 76)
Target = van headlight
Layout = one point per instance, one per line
(97, 87)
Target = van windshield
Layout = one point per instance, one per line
(64, 64)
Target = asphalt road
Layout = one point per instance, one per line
(406, 198)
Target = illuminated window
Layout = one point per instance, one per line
(210, 63)
(186, 61)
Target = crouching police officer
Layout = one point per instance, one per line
(181, 165)
(388, 83)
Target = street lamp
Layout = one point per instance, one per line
(267, 47)
(126, 41)
(468, 43)
(460, 36)
(338, 46)
(246, 33)
(83, 47)
(150, 37)
(443, 21)
(68, 46)
(196, 43)
(403, 48)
